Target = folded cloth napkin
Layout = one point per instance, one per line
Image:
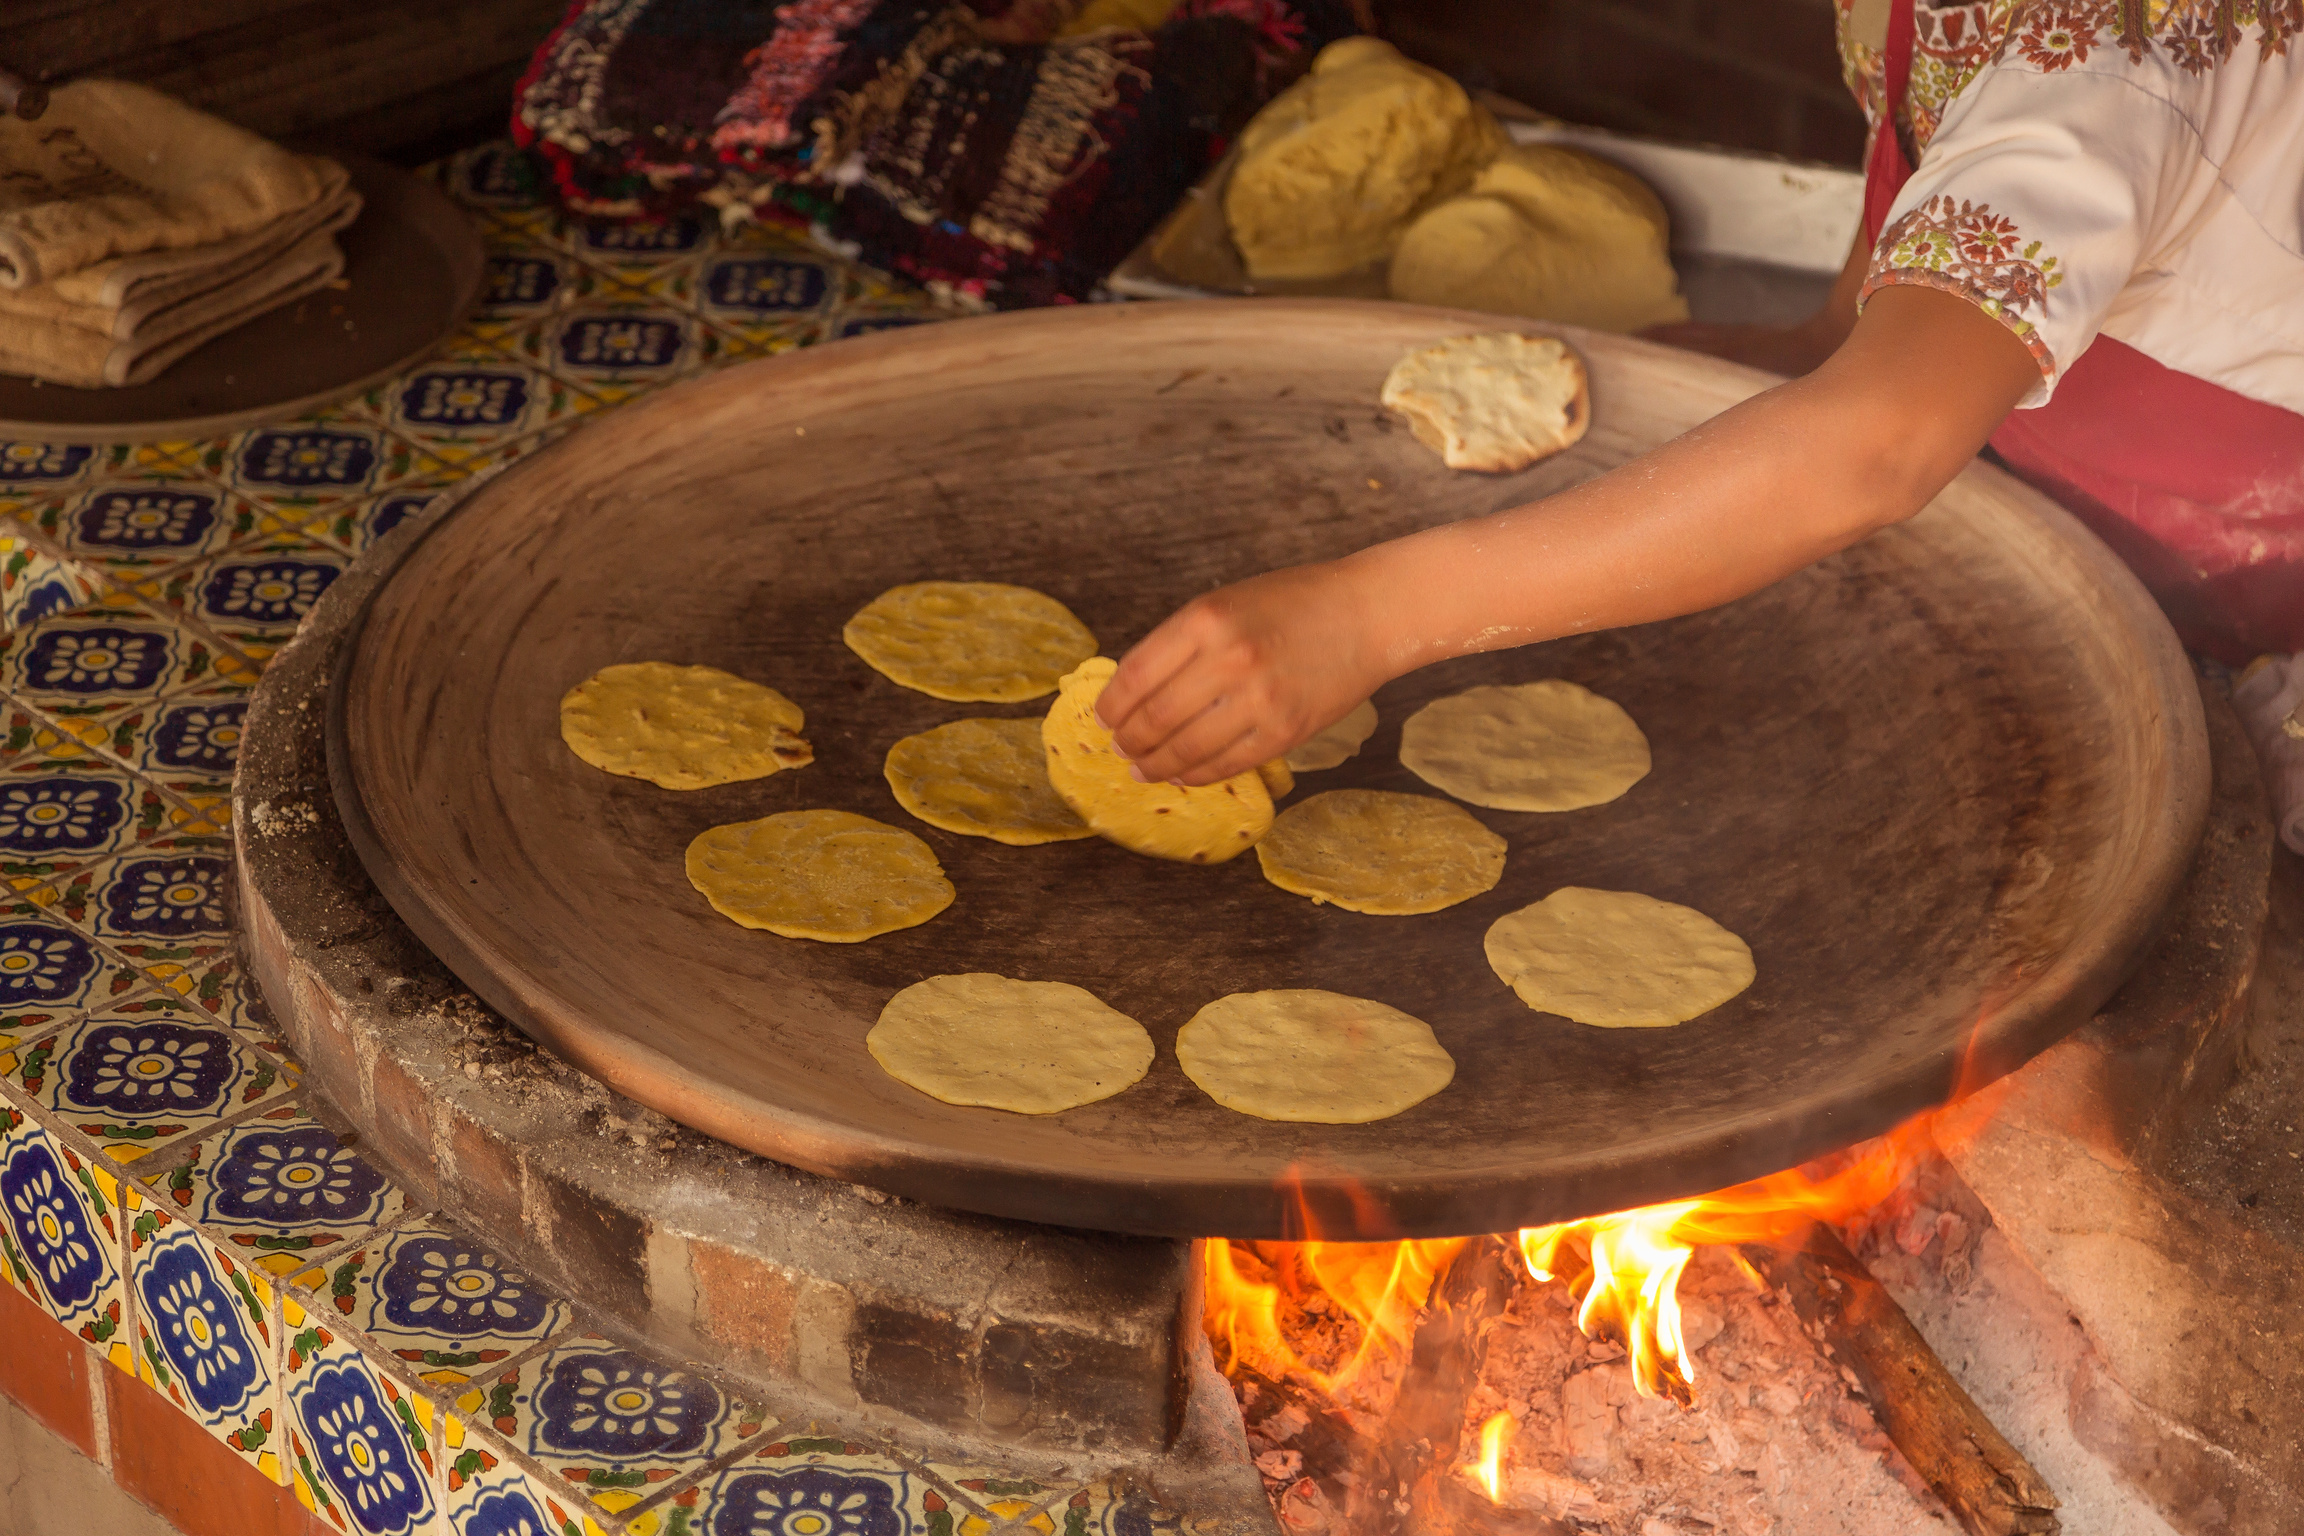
(114, 169)
(156, 278)
(2269, 697)
(92, 346)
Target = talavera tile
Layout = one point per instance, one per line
(131, 526)
(59, 1229)
(204, 1326)
(362, 1447)
(49, 970)
(449, 1308)
(95, 665)
(619, 1424)
(134, 1084)
(283, 1189)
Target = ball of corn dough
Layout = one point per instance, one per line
(1334, 167)
(1549, 233)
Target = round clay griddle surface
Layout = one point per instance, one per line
(1943, 784)
(413, 263)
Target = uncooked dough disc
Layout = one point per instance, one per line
(1327, 747)
(681, 727)
(1370, 850)
(830, 875)
(1204, 825)
(1321, 1057)
(1543, 746)
(1035, 1047)
(969, 641)
(983, 778)
(1496, 402)
(1618, 959)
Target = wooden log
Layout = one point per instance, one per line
(1957, 1451)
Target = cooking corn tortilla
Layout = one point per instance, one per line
(1319, 1057)
(983, 778)
(1618, 959)
(1495, 402)
(1331, 745)
(969, 641)
(1370, 850)
(1204, 825)
(1543, 746)
(681, 727)
(1034, 1047)
(829, 875)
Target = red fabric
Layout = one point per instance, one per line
(2199, 489)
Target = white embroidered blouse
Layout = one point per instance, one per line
(2130, 168)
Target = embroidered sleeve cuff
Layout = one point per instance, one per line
(1966, 249)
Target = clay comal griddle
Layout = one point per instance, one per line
(1943, 783)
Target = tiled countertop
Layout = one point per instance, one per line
(166, 1197)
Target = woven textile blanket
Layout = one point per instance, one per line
(1002, 152)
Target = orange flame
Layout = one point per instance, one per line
(1490, 1468)
(1381, 1287)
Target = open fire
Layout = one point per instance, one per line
(1331, 1325)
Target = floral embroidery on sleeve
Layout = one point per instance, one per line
(1967, 249)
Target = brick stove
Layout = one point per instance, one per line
(1075, 1354)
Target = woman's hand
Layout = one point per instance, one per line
(1238, 677)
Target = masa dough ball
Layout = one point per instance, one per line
(1549, 233)
(830, 875)
(1332, 744)
(1617, 959)
(1543, 746)
(1370, 850)
(1334, 167)
(1203, 825)
(1320, 1057)
(681, 727)
(983, 778)
(1495, 402)
(969, 641)
(1033, 1047)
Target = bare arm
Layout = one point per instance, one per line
(1782, 480)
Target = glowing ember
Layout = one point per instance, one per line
(1490, 1469)
(1380, 1287)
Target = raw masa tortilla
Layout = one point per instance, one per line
(681, 727)
(1204, 825)
(1550, 233)
(830, 875)
(1034, 1047)
(1495, 402)
(1618, 959)
(1333, 168)
(1543, 746)
(1331, 745)
(983, 778)
(969, 641)
(1370, 850)
(1320, 1057)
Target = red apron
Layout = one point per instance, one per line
(2199, 489)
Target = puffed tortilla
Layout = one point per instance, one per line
(1496, 402)
(1371, 850)
(828, 875)
(1203, 825)
(1618, 959)
(1318, 1057)
(969, 641)
(983, 778)
(681, 727)
(1543, 746)
(1031, 1047)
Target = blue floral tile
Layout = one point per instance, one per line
(457, 405)
(523, 283)
(631, 347)
(47, 970)
(134, 1083)
(45, 466)
(132, 526)
(284, 1189)
(623, 248)
(310, 461)
(59, 1233)
(83, 666)
(254, 594)
(361, 1447)
(506, 1501)
(825, 1492)
(496, 175)
(193, 736)
(618, 1423)
(204, 1327)
(169, 894)
(59, 815)
(752, 287)
(446, 1306)
(36, 584)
